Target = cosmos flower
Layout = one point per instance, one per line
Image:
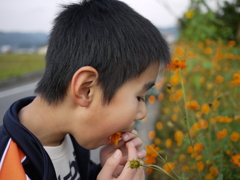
(176, 63)
(115, 138)
(151, 156)
(236, 160)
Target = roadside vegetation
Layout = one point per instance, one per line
(14, 65)
(197, 133)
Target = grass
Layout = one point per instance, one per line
(14, 65)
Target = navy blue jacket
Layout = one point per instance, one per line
(38, 165)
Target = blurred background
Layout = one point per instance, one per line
(193, 119)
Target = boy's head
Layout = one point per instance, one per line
(106, 35)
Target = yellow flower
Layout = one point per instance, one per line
(168, 167)
(189, 14)
(234, 136)
(221, 134)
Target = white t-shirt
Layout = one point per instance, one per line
(64, 160)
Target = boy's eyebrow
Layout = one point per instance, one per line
(148, 86)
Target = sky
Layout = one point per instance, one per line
(38, 15)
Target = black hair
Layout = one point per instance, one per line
(105, 34)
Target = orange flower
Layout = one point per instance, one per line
(236, 79)
(115, 138)
(151, 135)
(231, 43)
(182, 158)
(236, 160)
(234, 136)
(208, 50)
(221, 134)
(159, 125)
(219, 79)
(193, 105)
(209, 176)
(151, 155)
(200, 165)
(176, 63)
(151, 99)
(178, 135)
(160, 96)
(148, 171)
(213, 170)
(185, 168)
(174, 79)
(168, 167)
(157, 141)
(205, 108)
(202, 124)
(168, 143)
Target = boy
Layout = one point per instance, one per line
(101, 60)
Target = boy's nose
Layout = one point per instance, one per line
(142, 112)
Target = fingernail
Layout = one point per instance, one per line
(131, 144)
(116, 154)
(140, 155)
(125, 136)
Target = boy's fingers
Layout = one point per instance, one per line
(109, 167)
(127, 172)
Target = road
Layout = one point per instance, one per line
(8, 96)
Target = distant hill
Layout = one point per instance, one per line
(170, 30)
(29, 40)
(23, 40)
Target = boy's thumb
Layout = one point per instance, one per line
(110, 166)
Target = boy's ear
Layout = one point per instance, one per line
(83, 81)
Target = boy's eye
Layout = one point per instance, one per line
(141, 99)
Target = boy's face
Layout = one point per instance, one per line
(121, 113)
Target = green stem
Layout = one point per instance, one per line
(164, 161)
(187, 121)
(176, 102)
(157, 169)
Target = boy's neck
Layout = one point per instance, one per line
(45, 121)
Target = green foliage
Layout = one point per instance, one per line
(223, 24)
(13, 65)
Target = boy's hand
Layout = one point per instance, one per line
(110, 167)
(109, 149)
